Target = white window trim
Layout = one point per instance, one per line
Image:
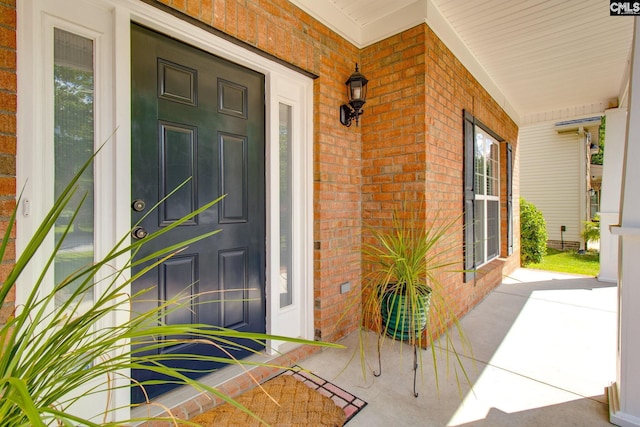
(485, 198)
(113, 113)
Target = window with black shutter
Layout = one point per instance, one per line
(482, 195)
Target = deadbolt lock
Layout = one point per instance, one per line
(138, 205)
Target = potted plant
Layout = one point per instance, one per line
(402, 295)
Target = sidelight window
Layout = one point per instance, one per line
(73, 83)
(286, 296)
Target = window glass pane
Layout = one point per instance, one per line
(480, 164)
(73, 144)
(595, 204)
(493, 228)
(493, 170)
(479, 227)
(286, 296)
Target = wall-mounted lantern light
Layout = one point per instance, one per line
(357, 93)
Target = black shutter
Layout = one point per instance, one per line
(509, 199)
(469, 197)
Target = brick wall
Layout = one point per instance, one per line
(394, 158)
(563, 245)
(8, 106)
(413, 145)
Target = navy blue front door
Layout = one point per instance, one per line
(196, 115)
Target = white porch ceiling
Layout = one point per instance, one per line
(540, 59)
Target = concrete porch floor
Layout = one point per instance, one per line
(544, 349)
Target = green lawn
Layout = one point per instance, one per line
(569, 262)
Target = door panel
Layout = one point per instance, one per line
(172, 275)
(233, 269)
(197, 116)
(178, 163)
(233, 178)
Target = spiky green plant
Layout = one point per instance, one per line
(48, 352)
(406, 263)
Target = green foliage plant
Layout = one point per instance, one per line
(533, 234)
(406, 262)
(48, 352)
(591, 230)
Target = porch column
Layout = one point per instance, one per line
(624, 395)
(615, 134)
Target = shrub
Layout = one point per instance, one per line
(533, 234)
(591, 231)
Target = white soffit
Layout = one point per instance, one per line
(364, 22)
(546, 54)
(532, 56)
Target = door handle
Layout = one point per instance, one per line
(139, 233)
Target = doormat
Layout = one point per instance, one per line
(347, 401)
(303, 399)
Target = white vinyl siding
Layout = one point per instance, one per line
(550, 177)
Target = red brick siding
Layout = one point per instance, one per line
(8, 109)
(413, 144)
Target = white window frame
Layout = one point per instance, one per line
(485, 198)
(108, 22)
